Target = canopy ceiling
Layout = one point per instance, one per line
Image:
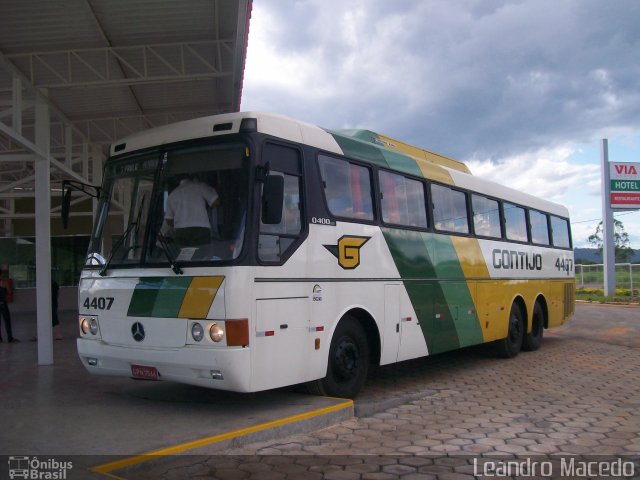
(105, 69)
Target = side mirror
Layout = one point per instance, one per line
(66, 204)
(67, 186)
(272, 199)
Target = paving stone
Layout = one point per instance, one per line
(477, 448)
(378, 476)
(490, 441)
(562, 405)
(419, 476)
(342, 475)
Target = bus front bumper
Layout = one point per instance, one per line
(228, 369)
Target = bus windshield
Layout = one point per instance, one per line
(179, 205)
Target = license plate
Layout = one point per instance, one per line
(144, 373)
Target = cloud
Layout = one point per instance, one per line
(476, 79)
(546, 173)
(511, 87)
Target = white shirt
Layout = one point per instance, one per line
(187, 204)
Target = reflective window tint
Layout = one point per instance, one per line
(515, 222)
(347, 188)
(539, 227)
(486, 216)
(449, 209)
(402, 201)
(560, 232)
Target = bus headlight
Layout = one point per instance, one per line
(216, 333)
(197, 332)
(88, 325)
(84, 326)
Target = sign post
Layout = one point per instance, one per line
(608, 242)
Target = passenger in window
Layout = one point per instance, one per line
(187, 212)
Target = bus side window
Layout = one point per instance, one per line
(560, 232)
(515, 222)
(275, 240)
(539, 227)
(486, 216)
(402, 200)
(449, 209)
(347, 188)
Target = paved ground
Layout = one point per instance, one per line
(454, 414)
(62, 410)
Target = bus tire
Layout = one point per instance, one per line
(348, 362)
(533, 340)
(511, 345)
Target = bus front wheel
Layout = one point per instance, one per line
(511, 345)
(348, 362)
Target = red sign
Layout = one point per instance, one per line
(625, 198)
(622, 169)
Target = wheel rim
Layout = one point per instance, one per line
(346, 359)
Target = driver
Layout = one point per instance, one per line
(187, 212)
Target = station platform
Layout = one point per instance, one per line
(61, 410)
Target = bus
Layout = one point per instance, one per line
(326, 253)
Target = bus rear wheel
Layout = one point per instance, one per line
(533, 340)
(511, 345)
(348, 362)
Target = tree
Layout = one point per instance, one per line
(621, 239)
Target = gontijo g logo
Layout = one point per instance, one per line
(347, 251)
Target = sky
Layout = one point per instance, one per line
(522, 91)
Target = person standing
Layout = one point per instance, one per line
(4, 307)
(55, 322)
(188, 212)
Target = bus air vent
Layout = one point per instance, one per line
(221, 127)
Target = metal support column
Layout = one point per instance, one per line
(43, 234)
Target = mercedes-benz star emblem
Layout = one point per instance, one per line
(137, 330)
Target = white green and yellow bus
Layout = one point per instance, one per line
(328, 252)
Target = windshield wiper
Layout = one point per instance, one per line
(164, 246)
(124, 236)
(120, 241)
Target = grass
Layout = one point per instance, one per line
(623, 296)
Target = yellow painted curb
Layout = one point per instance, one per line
(107, 468)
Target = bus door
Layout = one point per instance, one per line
(403, 338)
(282, 348)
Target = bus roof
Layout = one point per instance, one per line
(417, 153)
(360, 144)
